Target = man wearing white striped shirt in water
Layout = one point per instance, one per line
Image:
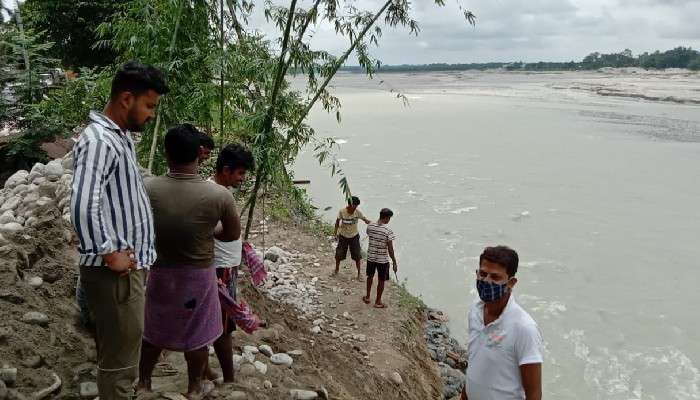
(379, 251)
(112, 217)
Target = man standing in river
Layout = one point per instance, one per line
(505, 345)
(348, 235)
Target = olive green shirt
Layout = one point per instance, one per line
(186, 209)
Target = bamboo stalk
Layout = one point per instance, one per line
(156, 128)
(221, 99)
(337, 66)
(269, 118)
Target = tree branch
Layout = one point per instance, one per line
(337, 66)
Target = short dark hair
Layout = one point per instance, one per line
(235, 156)
(206, 141)
(385, 213)
(503, 256)
(182, 144)
(138, 78)
(354, 201)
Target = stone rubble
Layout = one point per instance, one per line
(286, 285)
(266, 350)
(296, 394)
(29, 199)
(282, 359)
(450, 356)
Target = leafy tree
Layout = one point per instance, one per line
(71, 25)
(175, 36)
(680, 57)
(695, 64)
(25, 68)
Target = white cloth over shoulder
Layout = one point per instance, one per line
(227, 254)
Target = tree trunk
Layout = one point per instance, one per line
(336, 67)
(261, 173)
(251, 202)
(154, 141)
(221, 100)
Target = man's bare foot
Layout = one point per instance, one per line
(379, 305)
(199, 391)
(365, 299)
(359, 278)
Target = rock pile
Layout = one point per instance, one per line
(34, 220)
(32, 198)
(447, 352)
(286, 285)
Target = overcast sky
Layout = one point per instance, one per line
(531, 30)
(527, 30)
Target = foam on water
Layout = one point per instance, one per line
(520, 216)
(621, 374)
(340, 141)
(463, 210)
(546, 309)
(476, 178)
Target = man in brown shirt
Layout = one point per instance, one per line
(183, 312)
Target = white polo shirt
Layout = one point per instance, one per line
(497, 351)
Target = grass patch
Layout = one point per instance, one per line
(408, 301)
(277, 209)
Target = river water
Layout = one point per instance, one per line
(597, 189)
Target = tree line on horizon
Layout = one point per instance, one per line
(679, 57)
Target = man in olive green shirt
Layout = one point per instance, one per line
(348, 234)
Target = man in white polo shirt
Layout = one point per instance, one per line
(505, 345)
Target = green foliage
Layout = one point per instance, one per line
(278, 210)
(695, 64)
(25, 64)
(71, 26)
(324, 151)
(25, 67)
(680, 57)
(73, 100)
(407, 300)
(175, 36)
(62, 110)
(614, 60)
(36, 128)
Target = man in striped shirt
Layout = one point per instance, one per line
(111, 214)
(379, 251)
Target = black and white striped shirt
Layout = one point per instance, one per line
(110, 209)
(379, 236)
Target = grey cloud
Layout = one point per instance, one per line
(528, 30)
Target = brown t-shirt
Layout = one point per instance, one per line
(186, 209)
